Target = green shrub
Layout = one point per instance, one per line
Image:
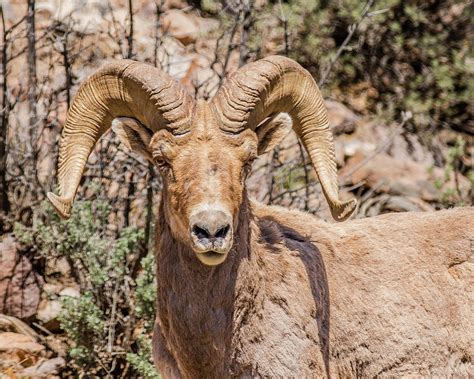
(146, 292)
(451, 195)
(408, 55)
(84, 323)
(141, 360)
(112, 302)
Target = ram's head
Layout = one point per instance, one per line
(204, 150)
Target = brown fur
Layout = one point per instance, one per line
(298, 297)
(397, 291)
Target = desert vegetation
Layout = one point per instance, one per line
(77, 296)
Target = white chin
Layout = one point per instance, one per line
(211, 258)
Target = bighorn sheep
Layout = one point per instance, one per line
(247, 290)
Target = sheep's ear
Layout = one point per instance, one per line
(134, 135)
(272, 131)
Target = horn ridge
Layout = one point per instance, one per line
(278, 84)
(121, 89)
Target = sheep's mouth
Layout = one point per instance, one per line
(211, 258)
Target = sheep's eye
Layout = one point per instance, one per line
(161, 162)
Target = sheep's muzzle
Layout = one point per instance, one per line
(211, 235)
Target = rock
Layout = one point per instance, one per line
(48, 313)
(385, 174)
(49, 309)
(408, 147)
(15, 341)
(21, 356)
(19, 284)
(46, 162)
(44, 368)
(13, 324)
(341, 118)
(58, 267)
(52, 288)
(387, 203)
(71, 292)
(352, 147)
(58, 343)
(181, 26)
(175, 4)
(113, 190)
(339, 153)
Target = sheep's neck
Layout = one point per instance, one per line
(200, 308)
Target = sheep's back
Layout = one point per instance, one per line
(401, 290)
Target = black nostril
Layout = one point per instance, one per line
(222, 232)
(200, 232)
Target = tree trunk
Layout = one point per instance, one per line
(32, 85)
(5, 110)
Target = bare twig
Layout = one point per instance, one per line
(32, 81)
(230, 47)
(149, 208)
(62, 32)
(158, 13)
(306, 175)
(284, 20)
(116, 26)
(111, 336)
(130, 30)
(245, 14)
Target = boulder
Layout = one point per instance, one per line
(45, 368)
(10, 342)
(50, 308)
(23, 356)
(48, 313)
(13, 324)
(19, 284)
(341, 118)
(181, 26)
(17, 351)
(385, 174)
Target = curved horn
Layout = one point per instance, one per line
(278, 84)
(122, 89)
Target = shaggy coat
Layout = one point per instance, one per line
(298, 297)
